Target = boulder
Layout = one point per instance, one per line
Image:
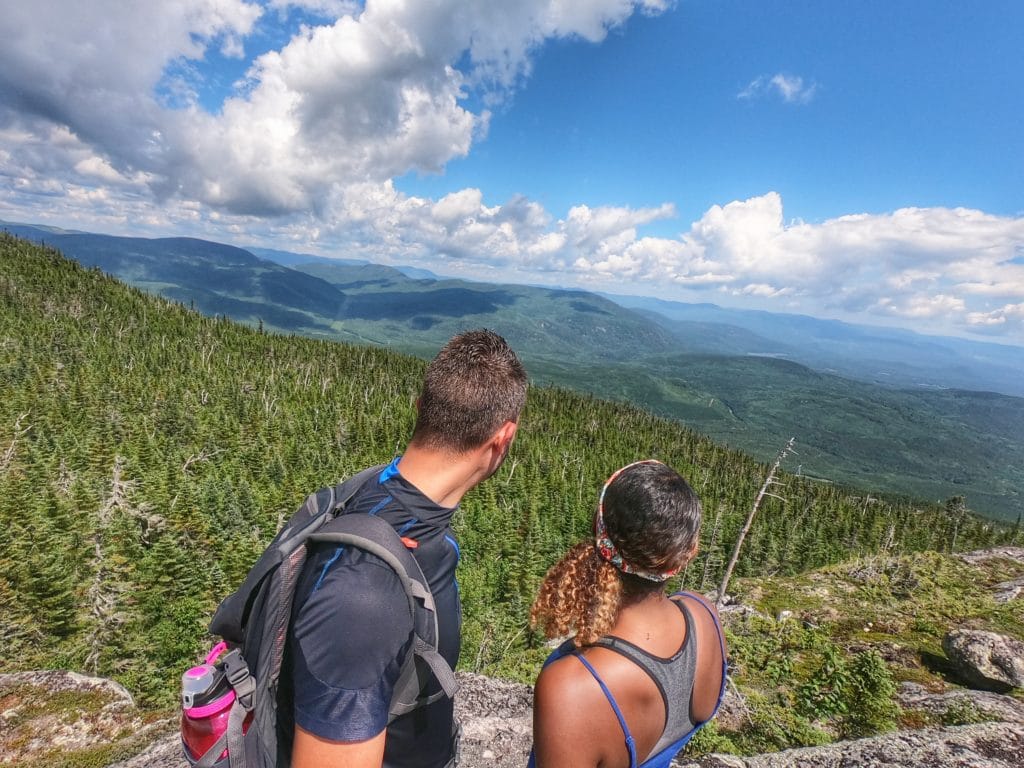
(986, 660)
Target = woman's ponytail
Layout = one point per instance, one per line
(581, 593)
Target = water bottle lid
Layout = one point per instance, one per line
(202, 685)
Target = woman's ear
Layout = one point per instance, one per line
(692, 553)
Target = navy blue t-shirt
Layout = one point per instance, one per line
(351, 628)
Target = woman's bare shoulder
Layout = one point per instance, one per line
(563, 677)
(695, 598)
(565, 706)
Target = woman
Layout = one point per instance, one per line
(644, 670)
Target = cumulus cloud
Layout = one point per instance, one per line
(1005, 320)
(369, 94)
(790, 88)
(937, 268)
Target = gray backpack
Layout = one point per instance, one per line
(254, 622)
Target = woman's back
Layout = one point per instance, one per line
(639, 691)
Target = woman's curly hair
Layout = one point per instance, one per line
(582, 592)
(653, 517)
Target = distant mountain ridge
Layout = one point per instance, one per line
(367, 303)
(887, 356)
(289, 259)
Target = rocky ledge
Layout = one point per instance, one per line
(496, 718)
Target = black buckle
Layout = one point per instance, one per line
(237, 671)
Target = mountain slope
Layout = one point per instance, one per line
(418, 315)
(219, 279)
(924, 441)
(148, 454)
(353, 304)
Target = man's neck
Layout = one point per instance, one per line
(442, 477)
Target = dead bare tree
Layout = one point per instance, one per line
(19, 431)
(709, 557)
(770, 480)
(195, 458)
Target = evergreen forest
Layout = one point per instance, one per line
(148, 453)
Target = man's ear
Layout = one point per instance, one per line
(505, 434)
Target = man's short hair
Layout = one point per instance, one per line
(474, 385)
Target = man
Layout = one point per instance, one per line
(351, 624)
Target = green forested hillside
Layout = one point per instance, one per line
(148, 453)
(930, 444)
(924, 442)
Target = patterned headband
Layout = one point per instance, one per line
(603, 543)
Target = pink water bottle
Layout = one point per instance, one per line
(206, 699)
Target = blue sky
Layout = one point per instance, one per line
(913, 104)
(854, 160)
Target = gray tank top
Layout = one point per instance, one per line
(674, 677)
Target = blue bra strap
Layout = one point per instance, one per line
(611, 700)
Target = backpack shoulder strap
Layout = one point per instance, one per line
(372, 534)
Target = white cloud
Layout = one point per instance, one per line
(790, 88)
(369, 94)
(763, 290)
(1004, 320)
(922, 306)
(909, 264)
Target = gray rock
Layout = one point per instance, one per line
(497, 721)
(32, 727)
(981, 555)
(58, 680)
(1009, 590)
(986, 660)
(992, 706)
(985, 745)
(496, 718)
(164, 753)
